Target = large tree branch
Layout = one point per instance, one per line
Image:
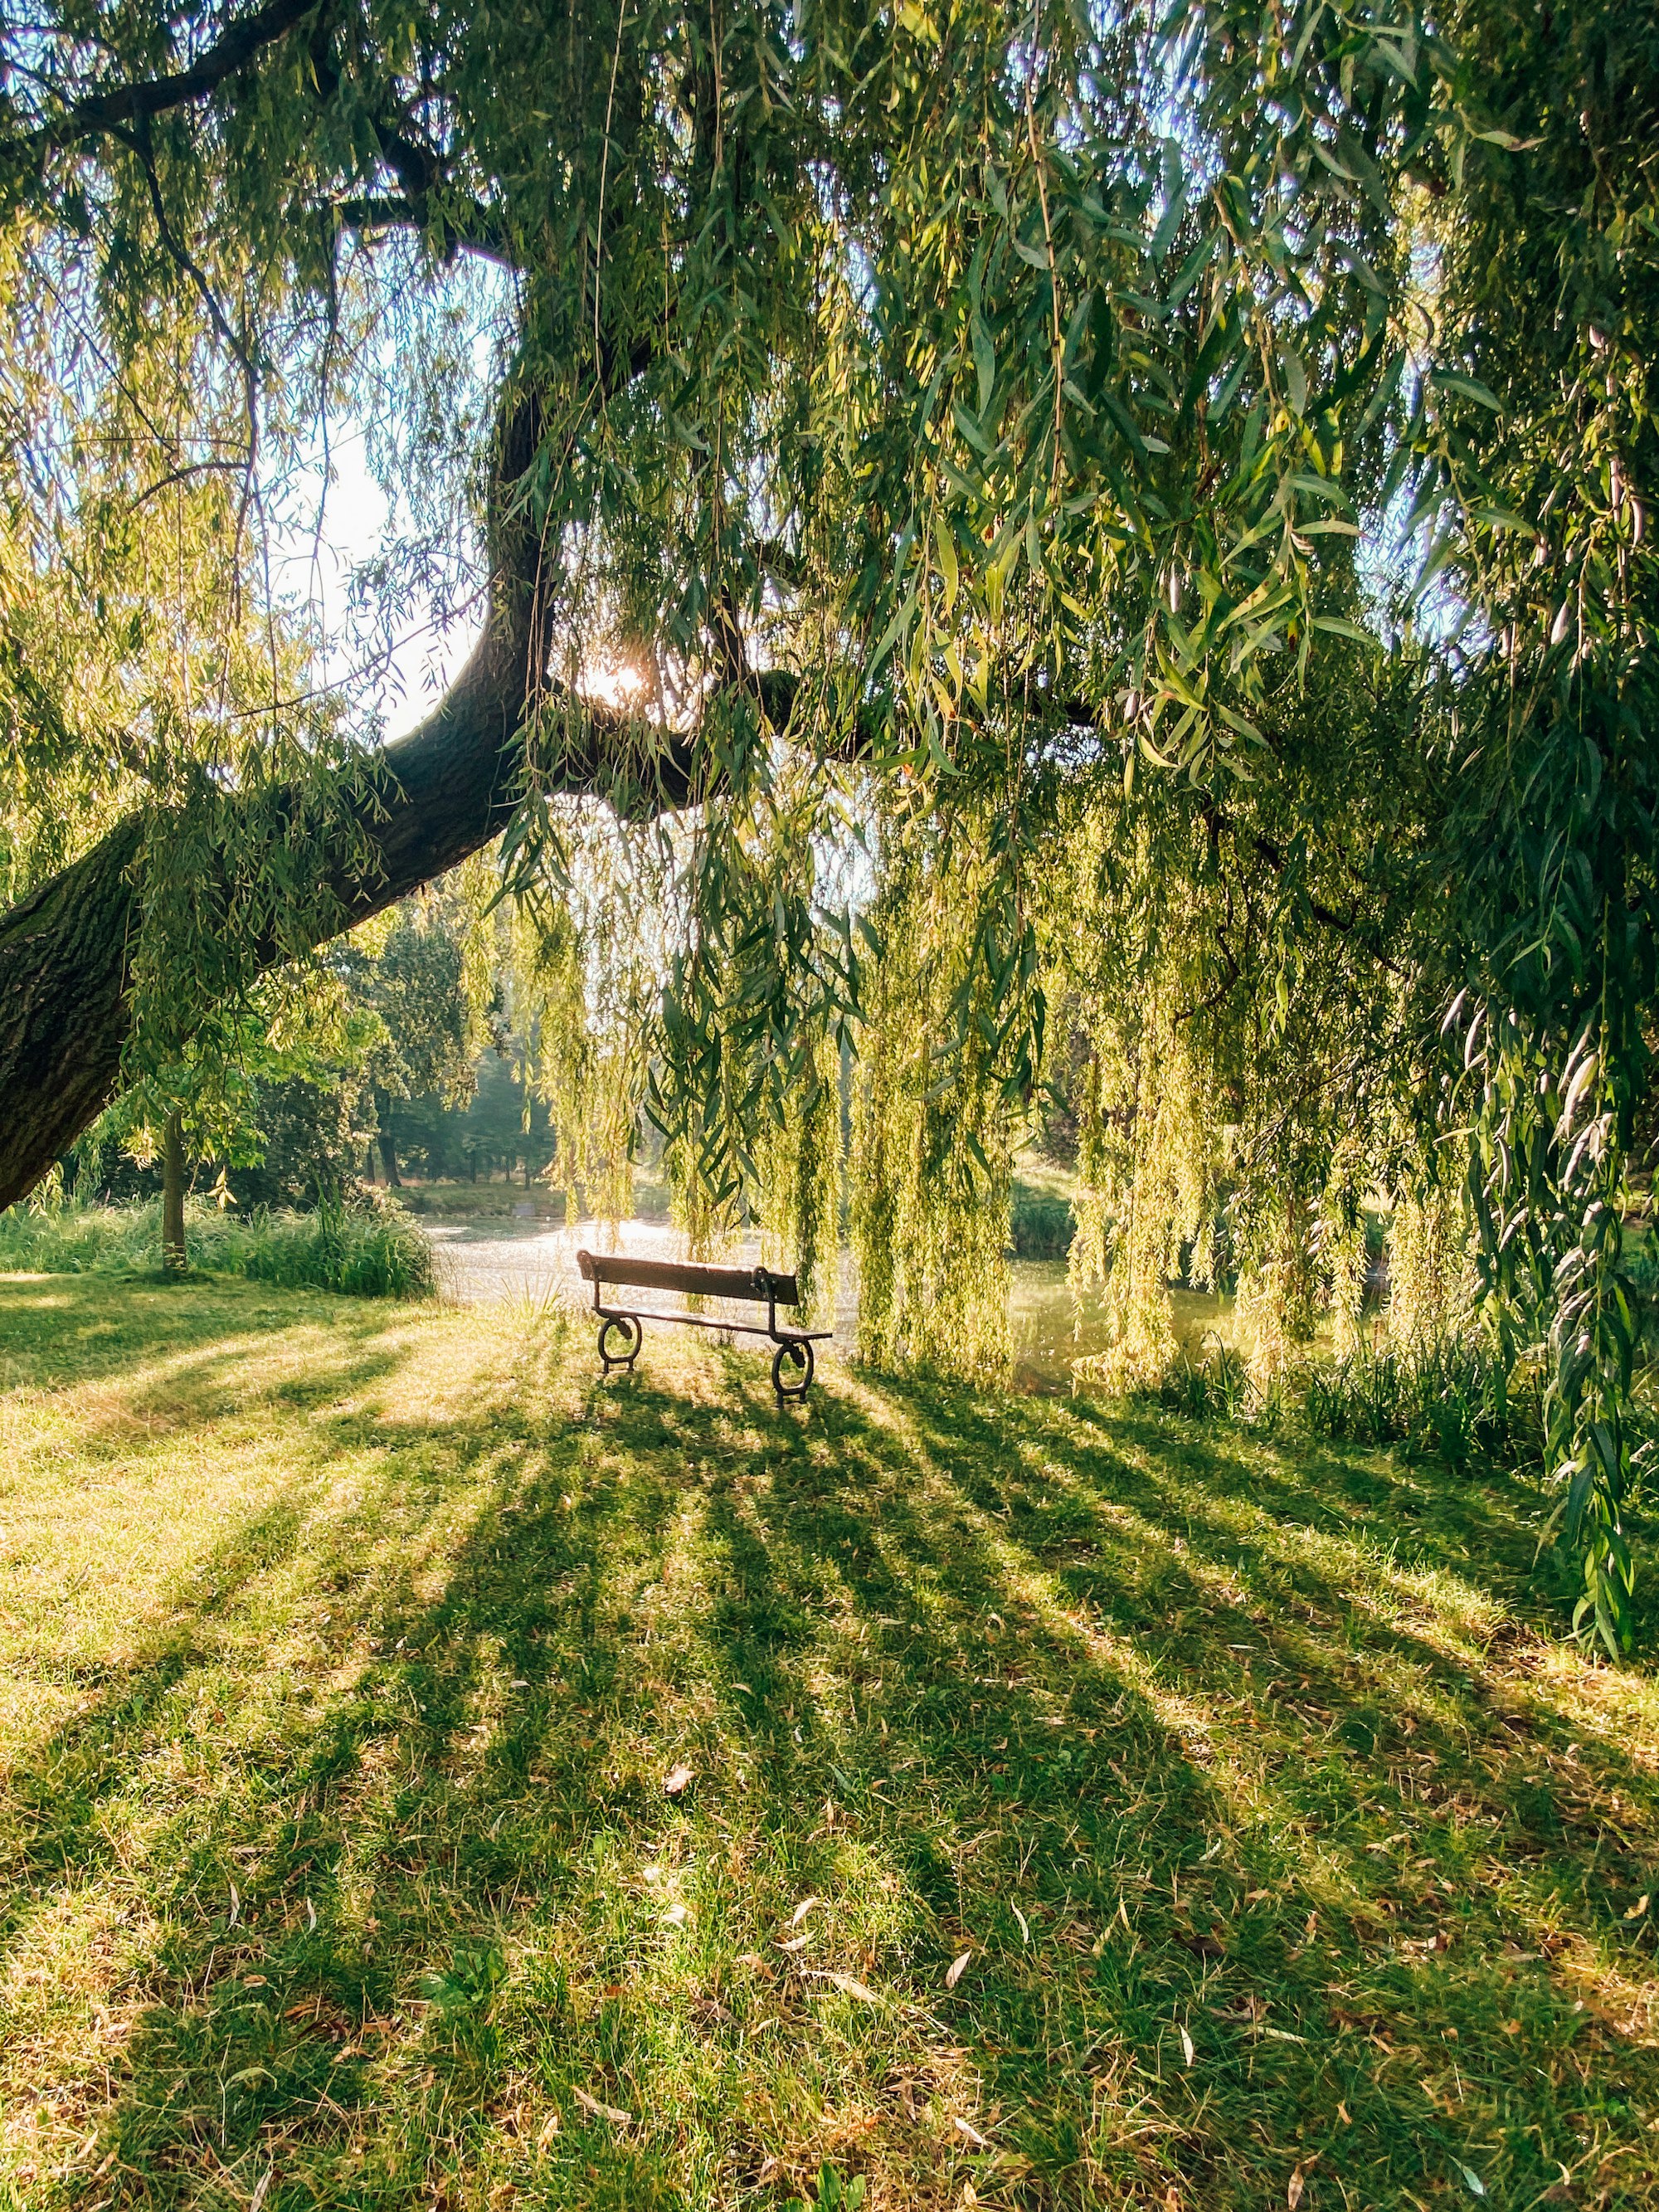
(421, 807)
(417, 808)
(426, 200)
(236, 47)
(469, 227)
(67, 951)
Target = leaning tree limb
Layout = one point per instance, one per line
(66, 951)
(412, 811)
(419, 807)
(90, 113)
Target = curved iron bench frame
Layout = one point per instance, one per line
(793, 1356)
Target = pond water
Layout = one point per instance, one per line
(494, 1262)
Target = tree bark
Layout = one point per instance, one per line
(174, 1257)
(424, 804)
(65, 952)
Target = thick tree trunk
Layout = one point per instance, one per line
(424, 804)
(389, 1158)
(174, 1257)
(65, 952)
(63, 1012)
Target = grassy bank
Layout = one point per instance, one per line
(362, 1251)
(1083, 1809)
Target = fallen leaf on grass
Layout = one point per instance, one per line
(550, 2129)
(603, 2112)
(1294, 2194)
(846, 1984)
(956, 1969)
(677, 1781)
(676, 1916)
(1186, 2046)
(793, 1943)
(1476, 2186)
(801, 1911)
(1640, 1906)
(973, 2135)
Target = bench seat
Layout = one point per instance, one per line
(792, 1362)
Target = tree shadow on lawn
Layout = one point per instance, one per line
(1255, 1814)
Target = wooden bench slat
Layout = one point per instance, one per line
(689, 1277)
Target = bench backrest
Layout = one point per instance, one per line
(690, 1278)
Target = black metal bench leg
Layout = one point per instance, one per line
(795, 1353)
(632, 1335)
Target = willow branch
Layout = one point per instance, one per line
(94, 112)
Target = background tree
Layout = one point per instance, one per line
(424, 982)
(271, 1107)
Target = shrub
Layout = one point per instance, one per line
(1042, 1223)
(1453, 1399)
(363, 1251)
(79, 1240)
(1215, 1386)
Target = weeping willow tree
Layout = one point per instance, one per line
(1004, 543)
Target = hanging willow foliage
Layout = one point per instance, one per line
(581, 978)
(947, 1005)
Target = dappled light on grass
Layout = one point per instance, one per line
(345, 1657)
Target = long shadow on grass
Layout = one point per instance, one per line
(1223, 1802)
(1173, 1751)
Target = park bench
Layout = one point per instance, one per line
(792, 1362)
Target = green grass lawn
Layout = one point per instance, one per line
(344, 1651)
